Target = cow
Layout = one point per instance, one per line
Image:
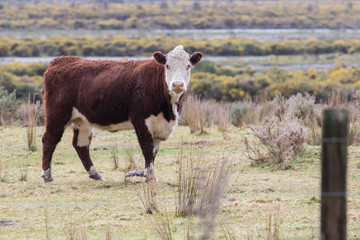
(112, 95)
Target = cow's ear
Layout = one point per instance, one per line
(160, 57)
(195, 57)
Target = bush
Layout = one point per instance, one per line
(8, 106)
(238, 113)
(282, 141)
(4, 49)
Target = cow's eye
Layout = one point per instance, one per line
(187, 67)
(167, 66)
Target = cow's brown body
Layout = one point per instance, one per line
(110, 95)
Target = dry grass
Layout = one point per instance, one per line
(200, 115)
(252, 190)
(163, 226)
(114, 156)
(224, 119)
(190, 114)
(74, 231)
(201, 184)
(200, 190)
(31, 113)
(148, 197)
(130, 164)
(23, 168)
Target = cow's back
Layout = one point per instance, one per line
(102, 90)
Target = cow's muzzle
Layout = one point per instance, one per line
(178, 87)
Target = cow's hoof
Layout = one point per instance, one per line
(139, 173)
(150, 174)
(151, 179)
(93, 173)
(46, 175)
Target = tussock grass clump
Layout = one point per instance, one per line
(31, 113)
(195, 114)
(23, 170)
(114, 155)
(200, 187)
(201, 183)
(148, 197)
(130, 163)
(224, 119)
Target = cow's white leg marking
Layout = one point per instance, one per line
(85, 131)
(149, 173)
(46, 175)
(93, 173)
(156, 146)
(84, 126)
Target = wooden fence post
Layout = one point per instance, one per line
(333, 176)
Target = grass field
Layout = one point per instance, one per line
(75, 206)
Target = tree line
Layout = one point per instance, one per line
(122, 46)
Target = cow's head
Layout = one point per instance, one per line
(177, 65)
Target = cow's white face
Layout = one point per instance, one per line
(177, 69)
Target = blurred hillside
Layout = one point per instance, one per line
(308, 46)
(103, 14)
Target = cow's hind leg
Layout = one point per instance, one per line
(51, 137)
(81, 142)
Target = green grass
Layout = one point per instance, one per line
(113, 207)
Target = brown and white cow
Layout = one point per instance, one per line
(145, 95)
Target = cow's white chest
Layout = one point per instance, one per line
(159, 127)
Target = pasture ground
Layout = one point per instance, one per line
(113, 207)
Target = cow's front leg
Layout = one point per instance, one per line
(149, 150)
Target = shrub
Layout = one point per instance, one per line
(8, 106)
(303, 107)
(238, 113)
(282, 140)
(4, 49)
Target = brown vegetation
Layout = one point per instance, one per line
(178, 14)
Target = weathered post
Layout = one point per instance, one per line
(333, 177)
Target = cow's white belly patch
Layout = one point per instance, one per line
(159, 127)
(116, 127)
(85, 127)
